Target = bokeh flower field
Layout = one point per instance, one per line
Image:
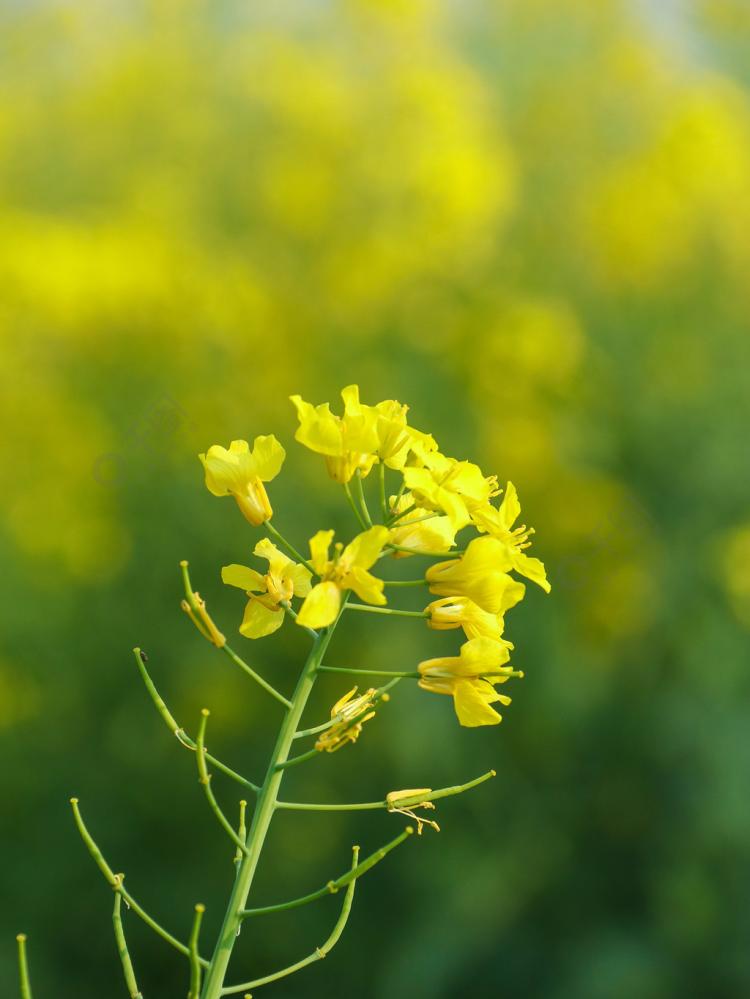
(530, 219)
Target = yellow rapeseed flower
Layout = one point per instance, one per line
(461, 612)
(284, 579)
(350, 714)
(498, 523)
(347, 570)
(347, 442)
(470, 678)
(240, 472)
(419, 529)
(453, 487)
(480, 574)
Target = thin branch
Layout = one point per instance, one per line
(333, 886)
(394, 611)
(443, 792)
(241, 833)
(369, 672)
(293, 614)
(319, 953)
(23, 968)
(290, 549)
(205, 779)
(115, 881)
(239, 661)
(456, 553)
(182, 737)
(122, 950)
(353, 505)
(361, 497)
(381, 491)
(297, 759)
(195, 964)
(198, 613)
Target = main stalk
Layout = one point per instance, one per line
(265, 806)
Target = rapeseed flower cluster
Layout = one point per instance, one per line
(437, 497)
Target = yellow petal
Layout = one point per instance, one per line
(363, 551)
(472, 706)
(319, 545)
(301, 580)
(533, 569)
(482, 655)
(243, 577)
(510, 508)
(260, 620)
(319, 430)
(268, 457)
(321, 606)
(226, 470)
(366, 586)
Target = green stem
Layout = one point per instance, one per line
(182, 737)
(204, 778)
(362, 806)
(298, 759)
(220, 641)
(214, 981)
(361, 498)
(340, 882)
(405, 582)
(381, 490)
(353, 505)
(241, 833)
(195, 965)
(115, 881)
(397, 516)
(290, 549)
(368, 672)
(428, 554)
(23, 968)
(122, 950)
(386, 610)
(319, 953)
(293, 614)
(256, 676)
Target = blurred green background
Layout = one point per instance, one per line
(529, 219)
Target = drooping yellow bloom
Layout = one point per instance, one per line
(498, 523)
(397, 441)
(240, 472)
(347, 570)
(348, 442)
(480, 574)
(470, 678)
(420, 529)
(461, 612)
(454, 487)
(350, 714)
(404, 802)
(284, 579)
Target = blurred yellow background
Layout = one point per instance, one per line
(530, 220)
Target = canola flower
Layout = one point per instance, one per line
(267, 593)
(241, 473)
(417, 516)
